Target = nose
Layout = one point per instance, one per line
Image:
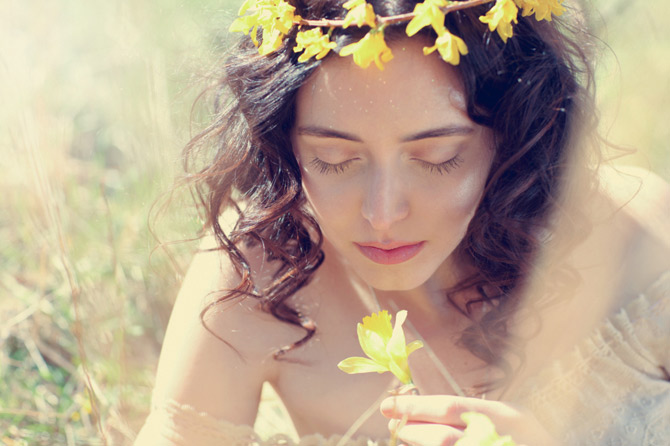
(385, 201)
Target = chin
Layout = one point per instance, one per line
(394, 280)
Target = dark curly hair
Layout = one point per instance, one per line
(534, 92)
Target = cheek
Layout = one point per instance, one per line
(467, 195)
(461, 200)
(328, 200)
(469, 192)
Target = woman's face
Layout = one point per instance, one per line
(391, 164)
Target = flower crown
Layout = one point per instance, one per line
(277, 17)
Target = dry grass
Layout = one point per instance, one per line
(96, 102)
(96, 99)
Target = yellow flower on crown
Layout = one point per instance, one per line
(449, 46)
(360, 13)
(276, 18)
(543, 9)
(384, 345)
(427, 13)
(371, 48)
(313, 43)
(500, 18)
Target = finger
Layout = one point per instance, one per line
(428, 434)
(443, 409)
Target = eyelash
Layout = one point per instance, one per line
(325, 167)
(441, 168)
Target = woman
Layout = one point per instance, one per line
(457, 191)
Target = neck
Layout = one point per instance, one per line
(429, 300)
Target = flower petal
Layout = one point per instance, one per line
(371, 48)
(449, 46)
(427, 13)
(401, 371)
(396, 345)
(356, 364)
(500, 18)
(360, 12)
(373, 344)
(379, 322)
(312, 43)
(413, 346)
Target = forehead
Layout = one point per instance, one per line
(416, 89)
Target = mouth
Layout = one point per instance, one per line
(390, 253)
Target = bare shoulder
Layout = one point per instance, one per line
(643, 195)
(218, 363)
(642, 198)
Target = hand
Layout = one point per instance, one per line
(435, 420)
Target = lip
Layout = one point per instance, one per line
(390, 253)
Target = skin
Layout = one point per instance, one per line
(386, 160)
(436, 419)
(387, 193)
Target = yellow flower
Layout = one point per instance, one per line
(272, 40)
(384, 345)
(244, 24)
(427, 13)
(449, 46)
(275, 17)
(500, 18)
(360, 13)
(314, 43)
(480, 431)
(543, 9)
(371, 48)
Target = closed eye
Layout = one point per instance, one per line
(442, 168)
(326, 168)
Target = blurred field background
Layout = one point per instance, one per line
(95, 105)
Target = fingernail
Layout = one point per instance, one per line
(387, 405)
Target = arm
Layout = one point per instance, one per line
(201, 371)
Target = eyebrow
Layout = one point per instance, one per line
(454, 130)
(322, 132)
(439, 132)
